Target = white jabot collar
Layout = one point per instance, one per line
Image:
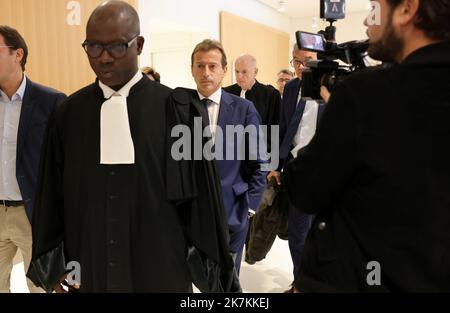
(116, 142)
(125, 90)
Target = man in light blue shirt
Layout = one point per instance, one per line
(9, 125)
(24, 111)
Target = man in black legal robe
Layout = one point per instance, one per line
(265, 97)
(102, 190)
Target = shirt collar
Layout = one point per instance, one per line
(108, 92)
(18, 95)
(21, 91)
(215, 97)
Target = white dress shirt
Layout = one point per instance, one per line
(299, 95)
(307, 127)
(9, 125)
(213, 110)
(116, 143)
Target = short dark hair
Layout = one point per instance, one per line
(208, 45)
(432, 17)
(15, 40)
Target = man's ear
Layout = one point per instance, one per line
(140, 44)
(225, 69)
(256, 71)
(406, 12)
(19, 55)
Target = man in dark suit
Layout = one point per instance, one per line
(298, 122)
(265, 98)
(243, 180)
(377, 172)
(24, 111)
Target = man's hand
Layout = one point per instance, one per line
(324, 93)
(62, 286)
(276, 175)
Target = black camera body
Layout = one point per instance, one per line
(321, 73)
(327, 71)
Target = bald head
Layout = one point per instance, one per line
(246, 71)
(248, 59)
(115, 11)
(113, 28)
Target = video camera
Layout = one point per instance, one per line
(326, 71)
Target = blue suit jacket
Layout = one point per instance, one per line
(243, 182)
(37, 105)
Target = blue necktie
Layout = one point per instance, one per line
(292, 130)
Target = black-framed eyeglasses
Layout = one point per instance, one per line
(295, 63)
(6, 46)
(117, 51)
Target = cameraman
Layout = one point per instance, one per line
(377, 172)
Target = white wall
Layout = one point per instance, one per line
(170, 55)
(201, 16)
(173, 27)
(350, 28)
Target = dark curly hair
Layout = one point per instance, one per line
(433, 17)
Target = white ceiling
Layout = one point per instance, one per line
(307, 8)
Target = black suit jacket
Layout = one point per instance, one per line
(37, 105)
(377, 174)
(288, 108)
(289, 104)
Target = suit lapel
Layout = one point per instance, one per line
(320, 111)
(26, 113)
(225, 110)
(292, 101)
(297, 91)
(225, 118)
